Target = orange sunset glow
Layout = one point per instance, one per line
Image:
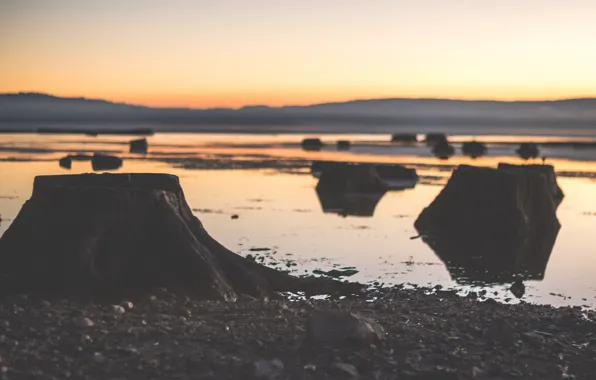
(233, 53)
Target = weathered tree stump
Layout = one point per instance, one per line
(473, 149)
(138, 146)
(116, 234)
(501, 221)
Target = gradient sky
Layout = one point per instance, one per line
(234, 52)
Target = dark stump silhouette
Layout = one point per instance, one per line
(312, 144)
(65, 162)
(105, 162)
(350, 189)
(503, 220)
(528, 150)
(138, 146)
(548, 171)
(349, 177)
(344, 145)
(494, 225)
(473, 149)
(432, 139)
(120, 234)
(443, 150)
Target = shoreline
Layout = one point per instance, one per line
(163, 335)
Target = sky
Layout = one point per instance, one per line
(216, 53)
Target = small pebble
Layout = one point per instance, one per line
(83, 322)
(118, 309)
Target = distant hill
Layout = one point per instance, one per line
(34, 107)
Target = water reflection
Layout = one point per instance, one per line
(349, 203)
(477, 261)
(355, 189)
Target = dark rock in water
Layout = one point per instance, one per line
(492, 225)
(404, 137)
(103, 162)
(528, 150)
(124, 234)
(397, 177)
(138, 146)
(350, 189)
(443, 150)
(312, 144)
(65, 162)
(433, 139)
(518, 289)
(344, 145)
(549, 173)
(336, 273)
(473, 149)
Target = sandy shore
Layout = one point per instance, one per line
(163, 336)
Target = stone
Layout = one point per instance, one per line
(83, 322)
(518, 289)
(268, 369)
(346, 371)
(335, 327)
(118, 309)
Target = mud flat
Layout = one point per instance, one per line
(428, 334)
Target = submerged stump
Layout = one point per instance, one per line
(120, 234)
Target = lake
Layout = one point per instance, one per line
(265, 180)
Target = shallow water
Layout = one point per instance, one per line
(281, 211)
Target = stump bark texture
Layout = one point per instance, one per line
(128, 233)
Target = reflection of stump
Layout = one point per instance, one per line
(120, 233)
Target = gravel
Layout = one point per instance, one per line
(168, 336)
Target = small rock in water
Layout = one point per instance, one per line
(83, 322)
(518, 289)
(332, 326)
(118, 309)
(268, 369)
(347, 371)
(46, 304)
(235, 216)
(310, 367)
(127, 305)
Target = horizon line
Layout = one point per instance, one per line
(480, 100)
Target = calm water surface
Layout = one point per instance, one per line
(281, 211)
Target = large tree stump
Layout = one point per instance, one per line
(501, 221)
(119, 233)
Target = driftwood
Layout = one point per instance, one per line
(116, 234)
